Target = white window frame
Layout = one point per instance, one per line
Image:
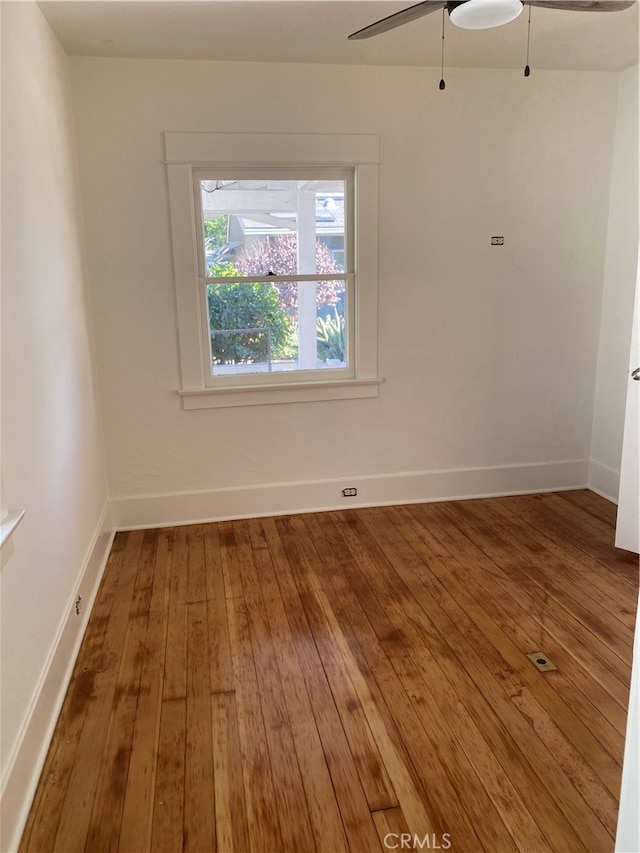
(188, 154)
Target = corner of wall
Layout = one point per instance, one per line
(604, 481)
(24, 765)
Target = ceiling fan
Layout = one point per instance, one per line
(483, 14)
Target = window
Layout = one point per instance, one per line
(275, 266)
(274, 297)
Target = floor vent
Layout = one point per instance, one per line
(541, 661)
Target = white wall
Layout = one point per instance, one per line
(619, 288)
(489, 354)
(52, 448)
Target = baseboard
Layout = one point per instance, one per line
(158, 510)
(24, 766)
(604, 481)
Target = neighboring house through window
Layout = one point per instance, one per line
(275, 255)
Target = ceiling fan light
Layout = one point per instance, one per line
(483, 14)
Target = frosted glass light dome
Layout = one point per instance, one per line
(483, 14)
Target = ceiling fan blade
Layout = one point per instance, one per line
(398, 19)
(583, 5)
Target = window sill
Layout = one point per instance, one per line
(259, 395)
(9, 524)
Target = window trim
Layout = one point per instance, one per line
(188, 153)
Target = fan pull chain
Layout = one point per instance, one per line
(442, 83)
(527, 69)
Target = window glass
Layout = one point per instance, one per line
(271, 327)
(273, 227)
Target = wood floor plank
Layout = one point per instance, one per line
(145, 572)
(287, 783)
(320, 683)
(168, 806)
(231, 832)
(354, 809)
(197, 575)
(175, 664)
(366, 754)
(373, 776)
(323, 809)
(262, 818)
(76, 811)
(199, 805)
(339, 798)
(137, 814)
(106, 815)
(391, 826)
(220, 658)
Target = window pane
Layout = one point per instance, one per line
(259, 327)
(258, 227)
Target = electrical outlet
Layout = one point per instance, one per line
(349, 493)
(78, 603)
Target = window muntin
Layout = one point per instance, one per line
(275, 272)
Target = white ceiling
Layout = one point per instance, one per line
(316, 31)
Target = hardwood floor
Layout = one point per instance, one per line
(331, 681)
